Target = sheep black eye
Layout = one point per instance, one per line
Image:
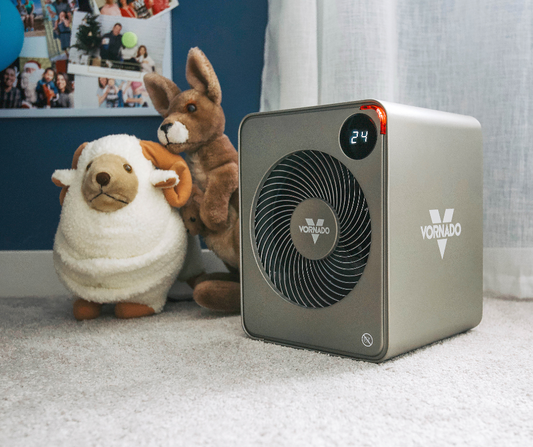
(128, 168)
(89, 165)
(193, 219)
(191, 108)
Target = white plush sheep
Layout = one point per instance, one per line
(119, 239)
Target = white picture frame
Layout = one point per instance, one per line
(36, 47)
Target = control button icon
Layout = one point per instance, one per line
(367, 339)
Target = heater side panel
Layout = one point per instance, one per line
(435, 225)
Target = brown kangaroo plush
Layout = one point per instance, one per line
(193, 122)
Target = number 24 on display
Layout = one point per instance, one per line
(355, 135)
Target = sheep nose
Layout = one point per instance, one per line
(165, 127)
(103, 178)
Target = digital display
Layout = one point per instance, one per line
(358, 136)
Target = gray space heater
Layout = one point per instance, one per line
(361, 227)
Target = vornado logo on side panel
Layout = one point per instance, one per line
(441, 229)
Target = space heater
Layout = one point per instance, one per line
(361, 227)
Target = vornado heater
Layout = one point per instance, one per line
(361, 227)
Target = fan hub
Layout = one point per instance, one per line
(314, 229)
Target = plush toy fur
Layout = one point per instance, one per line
(194, 123)
(119, 239)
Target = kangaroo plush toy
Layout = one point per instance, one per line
(193, 122)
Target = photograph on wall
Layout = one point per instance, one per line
(36, 83)
(116, 47)
(31, 14)
(110, 93)
(39, 82)
(58, 24)
(134, 9)
(10, 93)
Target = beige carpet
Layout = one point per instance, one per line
(189, 377)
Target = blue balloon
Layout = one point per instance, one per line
(11, 33)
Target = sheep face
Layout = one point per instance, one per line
(109, 183)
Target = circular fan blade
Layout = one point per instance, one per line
(294, 179)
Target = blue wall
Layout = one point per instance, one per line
(231, 34)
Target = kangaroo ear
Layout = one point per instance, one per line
(201, 75)
(161, 91)
(163, 159)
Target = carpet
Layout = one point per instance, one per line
(191, 377)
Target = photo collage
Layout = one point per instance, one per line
(87, 54)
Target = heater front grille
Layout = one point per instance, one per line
(306, 282)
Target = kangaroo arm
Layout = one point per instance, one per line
(222, 182)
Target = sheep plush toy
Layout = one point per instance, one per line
(120, 239)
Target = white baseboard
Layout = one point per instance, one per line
(25, 274)
(508, 272)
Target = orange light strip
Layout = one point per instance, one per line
(381, 114)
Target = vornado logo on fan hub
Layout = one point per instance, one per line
(314, 228)
(441, 229)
